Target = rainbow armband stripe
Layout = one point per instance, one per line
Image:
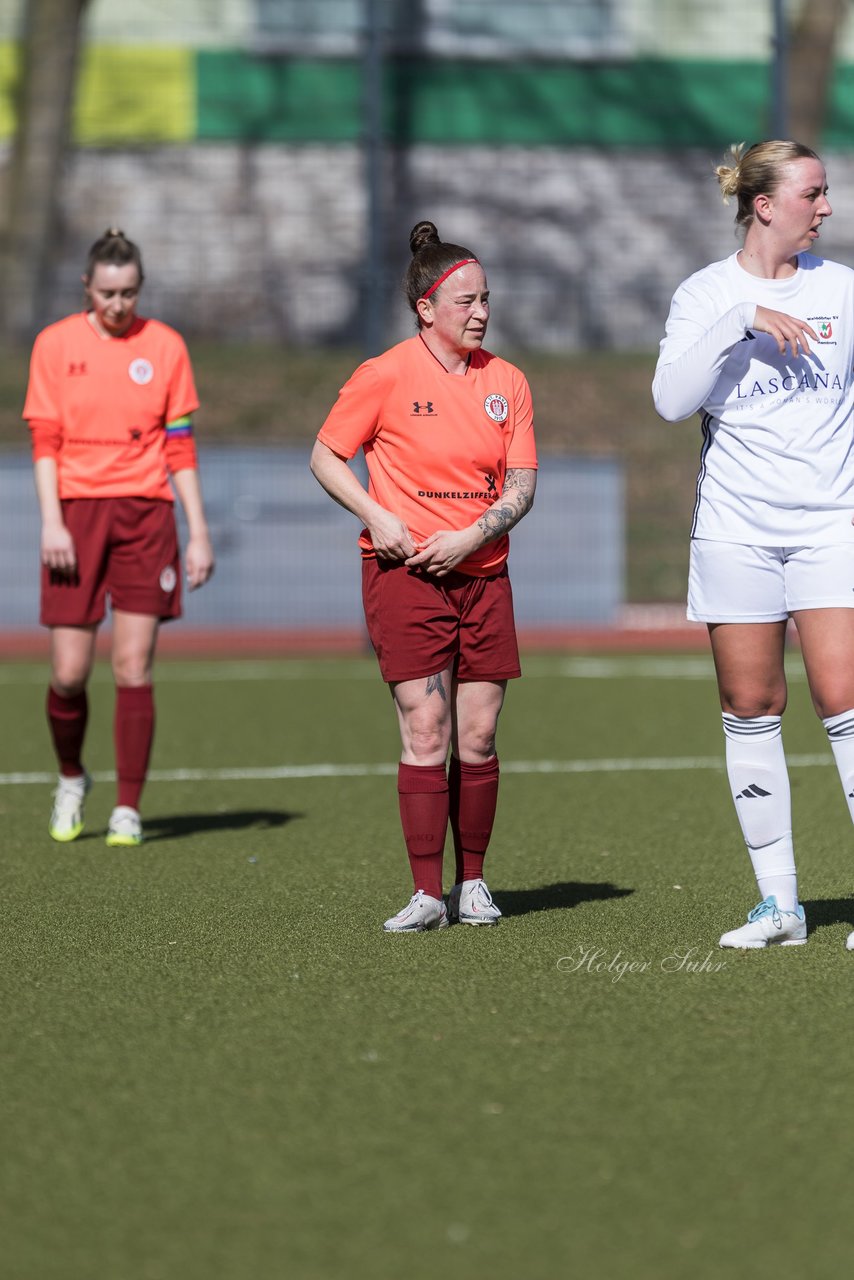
(180, 428)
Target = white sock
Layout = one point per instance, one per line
(840, 733)
(759, 781)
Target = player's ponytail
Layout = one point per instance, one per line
(727, 174)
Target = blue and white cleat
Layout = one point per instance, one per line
(768, 926)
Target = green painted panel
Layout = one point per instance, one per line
(838, 134)
(641, 103)
(627, 104)
(277, 99)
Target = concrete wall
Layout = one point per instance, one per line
(583, 249)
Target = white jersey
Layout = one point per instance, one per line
(777, 460)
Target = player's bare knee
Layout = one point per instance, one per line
(748, 704)
(477, 747)
(131, 673)
(425, 744)
(832, 701)
(68, 682)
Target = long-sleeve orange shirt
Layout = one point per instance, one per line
(115, 413)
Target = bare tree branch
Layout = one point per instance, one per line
(48, 66)
(813, 42)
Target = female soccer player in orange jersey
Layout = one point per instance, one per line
(447, 433)
(109, 406)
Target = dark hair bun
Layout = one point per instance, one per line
(422, 234)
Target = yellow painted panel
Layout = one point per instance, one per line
(135, 95)
(8, 76)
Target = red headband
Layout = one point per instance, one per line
(433, 287)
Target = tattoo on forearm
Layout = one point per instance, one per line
(517, 497)
(435, 685)
(497, 520)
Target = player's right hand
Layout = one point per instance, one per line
(57, 549)
(390, 537)
(786, 330)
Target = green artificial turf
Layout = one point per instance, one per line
(215, 1066)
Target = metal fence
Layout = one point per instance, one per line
(287, 557)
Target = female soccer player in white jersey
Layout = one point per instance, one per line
(761, 345)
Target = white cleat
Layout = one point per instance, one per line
(849, 944)
(125, 829)
(767, 926)
(69, 799)
(471, 903)
(420, 914)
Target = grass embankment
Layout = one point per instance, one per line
(588, 404)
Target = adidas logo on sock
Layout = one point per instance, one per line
(753, 792)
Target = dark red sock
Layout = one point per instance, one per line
(473, 796)
(67, 718)
(133, 729)
(423, 795)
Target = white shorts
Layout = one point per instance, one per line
(734, 582)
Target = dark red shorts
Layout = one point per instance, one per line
(420, 625)
(127, 547)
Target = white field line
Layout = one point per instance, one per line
(283, 772)
(606, 667)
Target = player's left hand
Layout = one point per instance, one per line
(199, 561)
(443, 550)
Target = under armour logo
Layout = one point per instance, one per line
(136, 435)
(753, 792)
(75, 369)
(418, 408)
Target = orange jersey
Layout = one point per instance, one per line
(437, 445)
(101, 407)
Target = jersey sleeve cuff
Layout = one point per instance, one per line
(46, 438)
(181, 454)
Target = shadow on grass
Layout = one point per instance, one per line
(562, 896)
(178, 825)
(823, 911)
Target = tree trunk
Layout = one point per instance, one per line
(45, 96)
(812, 50)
